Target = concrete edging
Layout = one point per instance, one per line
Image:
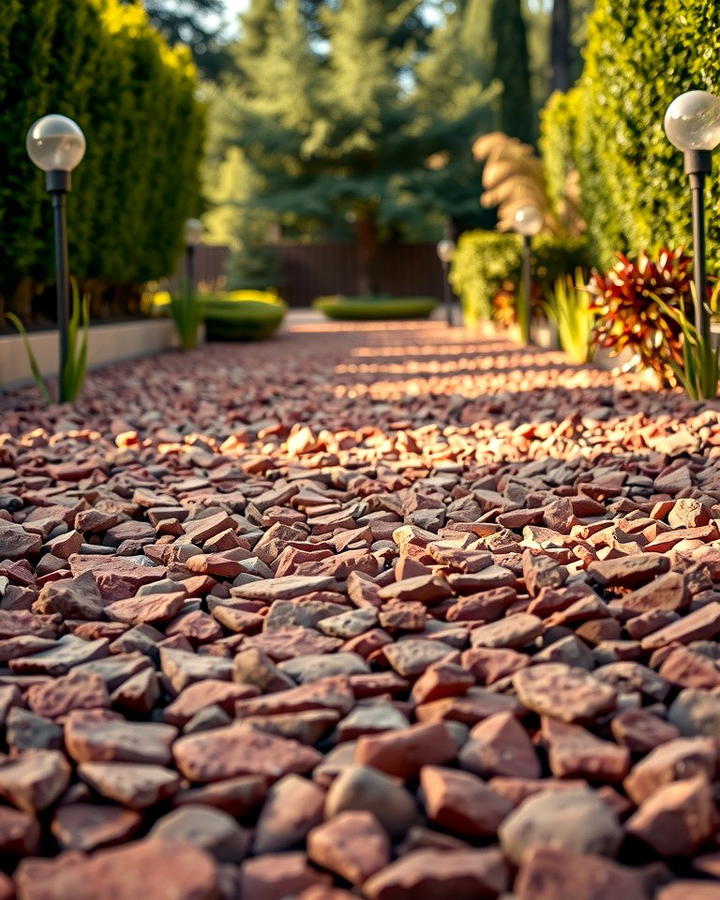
(106, 344)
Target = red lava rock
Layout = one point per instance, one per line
(150, 867)
(640, 731)
(19, 834)
(275, 876)
(150, 608)
(569, 693)
(547, 873)
(702, 624)
(240, 750)
(76, 690)
(629, 571)
(353, 845)
(403, 753)
(293, 582)
(84, 826)
(462, 874)
(461, 802)
(672, 761)
(96, 736)
(575, 752)
(499, 745)
(36, 779)
(517, 630)
(489, 665)
(678, 818)
(136, 785)
(427, 589)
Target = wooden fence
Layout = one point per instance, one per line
(313, 270)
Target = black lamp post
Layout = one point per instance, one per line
(193, 237)
(56, 145)
(528, 222)
(446, 251)
(692, 124)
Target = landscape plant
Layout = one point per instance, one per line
(568, 306)
(699, 371)
(186, 310)
(72, 376)
(242, 315)
(631, 302)
(631, 186)
(375, 308)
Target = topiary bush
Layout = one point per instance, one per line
(639, 57)
(242, 315)
(375, 308)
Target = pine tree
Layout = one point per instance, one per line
(183, 21)
(511, 67)
(560, 46)
(363, 129)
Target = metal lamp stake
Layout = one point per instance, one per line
(56, 145)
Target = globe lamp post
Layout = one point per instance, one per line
(56, 145)
(446, 251)
(193, 237)
(692, 124)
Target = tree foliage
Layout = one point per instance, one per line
(104, 65)
(511, 67)
(365, 128)
(633, 191)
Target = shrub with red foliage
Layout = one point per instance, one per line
(630, 317)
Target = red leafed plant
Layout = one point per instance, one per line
(629, 316)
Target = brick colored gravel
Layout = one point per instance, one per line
(385, 611)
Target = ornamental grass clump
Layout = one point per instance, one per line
(699, 371)
(631, 303)
(569, 307)
(72, 376)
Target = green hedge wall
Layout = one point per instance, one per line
(485, 260)
(101, 63)
(640, 55)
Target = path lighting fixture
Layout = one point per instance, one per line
(446, 251)
(193, 237)
(528, 221)
(692, 124)
(56, 145)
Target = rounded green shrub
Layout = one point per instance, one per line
(242, 315)
(375, 308)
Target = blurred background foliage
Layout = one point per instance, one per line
(103, 64)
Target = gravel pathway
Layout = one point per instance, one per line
(381, 611)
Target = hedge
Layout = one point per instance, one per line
(366, 309)
(486, 260)
(640, 55)
(101, 63)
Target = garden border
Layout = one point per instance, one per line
(106, 344)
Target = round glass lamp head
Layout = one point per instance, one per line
(528, 221)
(193, 232)
(55, 144)
(445, 250)
(692, 121)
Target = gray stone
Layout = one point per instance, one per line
(696, 712)
(575, 820)
(208, 828)
(364, 788)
